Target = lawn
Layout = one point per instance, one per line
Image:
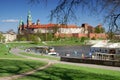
(64, 43)
(21, 45)
(71, 72)
(4, 52)
(41, 56)
(11, 64)
(16, 66)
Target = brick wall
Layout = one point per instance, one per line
(79, 35)
(97, 35)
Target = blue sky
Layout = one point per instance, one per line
(11, 11)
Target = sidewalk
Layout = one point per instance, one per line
(16, 51)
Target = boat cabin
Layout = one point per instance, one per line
(105, 51)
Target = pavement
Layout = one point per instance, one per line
(16, 51)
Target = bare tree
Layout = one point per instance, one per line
(66, 11)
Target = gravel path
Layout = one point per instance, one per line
(50, 62)
(25, 74)
(16, 51)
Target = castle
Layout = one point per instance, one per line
(60, 30)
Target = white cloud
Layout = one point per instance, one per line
(10, 20)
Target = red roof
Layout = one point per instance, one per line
(51, 26)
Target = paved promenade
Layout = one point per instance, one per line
(16, 51)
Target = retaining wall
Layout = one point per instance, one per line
(91, 61)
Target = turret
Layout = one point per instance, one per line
(20, 22)
(21, 26)
(29, 19)
(38, 22)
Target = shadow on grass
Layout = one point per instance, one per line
(12, 67)
(57, 73)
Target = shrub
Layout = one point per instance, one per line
(83, 39)
(93, 38)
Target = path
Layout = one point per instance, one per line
(16, 51)
(25, 74)
(50, 62)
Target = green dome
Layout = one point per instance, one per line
(29, 17)
(20, 22)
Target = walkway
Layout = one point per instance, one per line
(25, 74)
(16, 51)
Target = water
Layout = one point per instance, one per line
(73, 51)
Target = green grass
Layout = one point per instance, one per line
(21, 45)
(41, 56)
(12, 65)
(64, 43)
(16, 66)
(4, 52)
(71, 72)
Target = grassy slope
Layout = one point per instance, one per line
(16, 66)
(56, 72)
(4, 52)
(66, 42)
(70, 72)
(11, 64)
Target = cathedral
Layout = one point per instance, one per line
(60, 30)
(31, 27)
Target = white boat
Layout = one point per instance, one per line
(52, 51)
(105, 51)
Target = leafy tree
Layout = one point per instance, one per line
(110, 35)
(2, 38)
(99, 30)
(23, 39)
(83, 39)
(36, 39)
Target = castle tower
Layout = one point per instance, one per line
(38, 22)
(29, 19)
(21, 26)
(20, 22)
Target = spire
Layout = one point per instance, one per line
(29, 19)
(38, 22)
(20, 22)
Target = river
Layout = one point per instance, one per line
(74, 51)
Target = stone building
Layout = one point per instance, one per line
(60, 30)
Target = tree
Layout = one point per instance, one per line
(66, 11)
(2, 38)
(99, 30)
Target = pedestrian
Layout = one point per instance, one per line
(83, 56)
(90, 54)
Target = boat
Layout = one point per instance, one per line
(52, 51)
(106, 51)
(42, 50)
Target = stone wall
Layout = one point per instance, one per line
(79, 35)
(91, 61)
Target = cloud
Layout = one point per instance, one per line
(10, 20)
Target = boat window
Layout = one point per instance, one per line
(112, 51)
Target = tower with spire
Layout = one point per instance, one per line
(38, 22)
(29, 19)
(21, 26)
